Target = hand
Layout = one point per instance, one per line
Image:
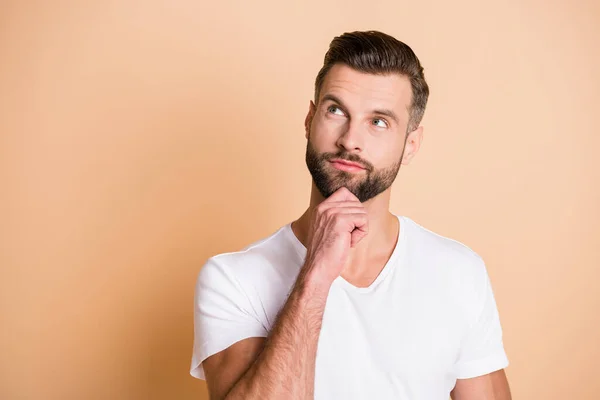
(337, 224)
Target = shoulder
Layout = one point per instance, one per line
(447, 269)
(255, 280)
(440, 247)
(258, 261)
(450, 262)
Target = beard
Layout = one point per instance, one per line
(363, 184)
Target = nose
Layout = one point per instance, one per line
(350, 138)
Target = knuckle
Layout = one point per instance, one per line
(329, 212)
(323, 211)
(339, 218)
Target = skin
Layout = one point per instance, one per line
(362, 118)
(377, 141)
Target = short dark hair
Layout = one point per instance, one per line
(375, 52)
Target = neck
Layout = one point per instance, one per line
(383, 229)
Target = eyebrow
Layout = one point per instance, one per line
(386, 112)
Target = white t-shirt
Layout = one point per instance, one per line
(428, 319)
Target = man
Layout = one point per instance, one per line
(351, 301)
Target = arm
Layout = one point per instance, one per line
(492, 386)
(285, 362)
(482, 359)
(283, 365)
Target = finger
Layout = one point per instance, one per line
(353, 221)
(358, 234)
(349, 210)
(340, 204)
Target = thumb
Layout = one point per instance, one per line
(356, 236)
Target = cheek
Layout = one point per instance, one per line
(325, 133)
(384, 155)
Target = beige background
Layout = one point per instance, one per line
(140, 138)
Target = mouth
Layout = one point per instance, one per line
(348, 166)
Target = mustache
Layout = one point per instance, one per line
(348, 157)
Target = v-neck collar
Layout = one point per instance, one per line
(394, 257)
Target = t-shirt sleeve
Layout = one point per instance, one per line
(222, 314)
(482, 350)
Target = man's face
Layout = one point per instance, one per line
(362, 119)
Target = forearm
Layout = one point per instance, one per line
(285, 368)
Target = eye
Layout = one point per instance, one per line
(335, 110)
(381, 123)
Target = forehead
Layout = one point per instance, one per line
(368, 91)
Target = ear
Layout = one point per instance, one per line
(312, 108)
(413, 143)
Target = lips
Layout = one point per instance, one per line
(347, 163)
(347, 166)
